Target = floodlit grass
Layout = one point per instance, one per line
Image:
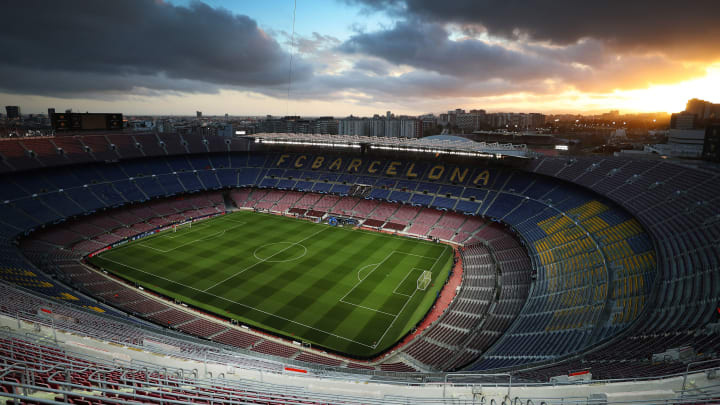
(347, 290)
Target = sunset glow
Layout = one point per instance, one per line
(361, 57)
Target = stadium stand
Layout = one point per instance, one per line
(570, 263)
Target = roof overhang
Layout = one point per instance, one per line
(410, 145)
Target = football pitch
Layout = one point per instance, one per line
(348, 290)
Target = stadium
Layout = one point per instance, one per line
(288, 268)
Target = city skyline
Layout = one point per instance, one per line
(358, 57)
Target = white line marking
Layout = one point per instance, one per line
(406, 302)
(278, 243)
(198, 227)
(368, 275)
(368, 308)
(300, 323)
(231, 220)
(403, 280)
(266, 259)
(362, 268)
(211, 236)
(413, 254)
(238, 303)
(379, 264)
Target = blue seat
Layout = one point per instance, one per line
(62, 204)
(322, 187)
(150, 186)
(379, 193)
(106, 193)
(467, 207)
(400, 196)
(421, 199)
(304, 185)
(227, 177)
(286, 184)
(208, 179)
(268, 182)
(341, 189)
(170, 184)
(248, 176)
(444, 202)
(454, 191)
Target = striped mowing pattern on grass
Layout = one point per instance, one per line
(347, 290)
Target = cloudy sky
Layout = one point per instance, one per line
(358, 56)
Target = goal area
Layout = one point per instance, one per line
(424, 280)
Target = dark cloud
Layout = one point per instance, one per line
(686, 29)
(412, 87)
(466, 65)
(429, 47)
(89, 46)
(376, 66)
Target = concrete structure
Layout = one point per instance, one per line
(683, 143)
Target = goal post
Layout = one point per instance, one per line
(187, 224)
(424, 280)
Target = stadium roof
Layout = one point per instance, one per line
(445, 146)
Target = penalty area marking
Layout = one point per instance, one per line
(363, 268)
(377, 342)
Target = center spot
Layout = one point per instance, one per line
(279, 252)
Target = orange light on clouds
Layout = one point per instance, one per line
(656, 98)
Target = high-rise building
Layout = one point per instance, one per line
(326, 125)
(472, 121)
(12, 111)
(51, 111)
(535, 120)
(703, 109)
(355, 126)
(683, 120)
(198, 114)
(377, 126)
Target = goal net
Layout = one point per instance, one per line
(424, 280)
(182, 226)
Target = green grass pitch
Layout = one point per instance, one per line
(344, 289)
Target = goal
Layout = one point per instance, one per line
(424, 280)
(182, 226)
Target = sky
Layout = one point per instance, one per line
(359, 57)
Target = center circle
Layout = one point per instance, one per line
(279, 252)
